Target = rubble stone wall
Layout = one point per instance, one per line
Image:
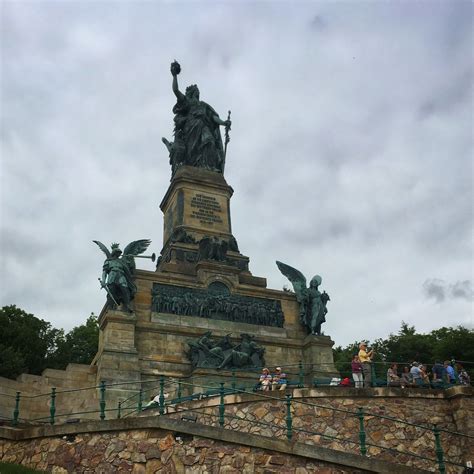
(143, 451)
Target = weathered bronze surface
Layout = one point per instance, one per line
(197, 137)
(208, 353)
(312, 302)
(119, 271)
(216, 303)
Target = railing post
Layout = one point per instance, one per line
(289, 420)
(119, 410)
(162, 395)
(233, 380)
(52, 408)
(221, 405)
(140, 400)
(300, 375)
(102, 400)
(373, 382)
(439, 450)
(363, 447)
(16, 411)
(179, 391)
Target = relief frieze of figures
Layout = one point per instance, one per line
(207, 304)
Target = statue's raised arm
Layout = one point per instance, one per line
(175, 70)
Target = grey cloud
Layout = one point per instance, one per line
(447, 97)
(440, 290)
(462, 289)
(435, 289)
(318, 23)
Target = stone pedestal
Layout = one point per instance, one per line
(203, 283)
(317, 357)
(118, 359)
(198, 201)
(197, 224)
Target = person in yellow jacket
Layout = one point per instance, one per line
(365, 358)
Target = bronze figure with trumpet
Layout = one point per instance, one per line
(119, 271)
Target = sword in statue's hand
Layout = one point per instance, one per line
(106, 288)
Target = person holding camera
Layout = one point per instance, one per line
(365, 357)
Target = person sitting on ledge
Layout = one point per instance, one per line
(393, 380)
(265, 380)
(406, 378)
(450, 375)
(424, 375)
(279, 381)
(439, 373)
(416, 374)
(463, 376)
(155, 401)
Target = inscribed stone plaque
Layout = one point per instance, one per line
(206, 209)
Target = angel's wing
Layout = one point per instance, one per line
(136, 247)
(102, 247)
(297, 279)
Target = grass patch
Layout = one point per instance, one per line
(8, 468)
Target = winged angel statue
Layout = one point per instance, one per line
(118, 272)
(312, 302)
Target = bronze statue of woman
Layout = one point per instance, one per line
(197, 137)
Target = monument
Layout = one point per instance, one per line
(202, 312)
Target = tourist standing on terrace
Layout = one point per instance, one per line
(357, 372)
(365, 358)
(450, 375)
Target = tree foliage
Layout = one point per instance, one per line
(79, 345)
(30, 345)
(407, 346)
(26, 342)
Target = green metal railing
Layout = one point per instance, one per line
(360, 414)
(134, 404)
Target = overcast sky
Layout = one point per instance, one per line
(350, 153)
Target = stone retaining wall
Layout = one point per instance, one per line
(319, 416)
(316, 421)
(152, 451)
(162, 445)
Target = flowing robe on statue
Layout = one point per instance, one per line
(317, 315)
(198, 139)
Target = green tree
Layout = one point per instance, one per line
(454, 343)
(30, 345)
(26, 342)
(79, 346)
